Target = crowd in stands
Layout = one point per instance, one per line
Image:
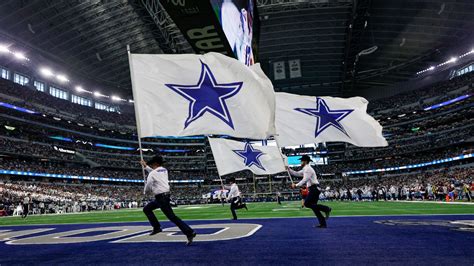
(55, 197)
(54, 167)
(32, 149)
(415, 136)
(181, 162)
(417, 96)
(46, 127)
(60, 197)
(41, 126)
(422, 145)
(422, 127)
(394, 161)
(441, 184)
(32, 98)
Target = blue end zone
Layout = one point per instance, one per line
(425, 240)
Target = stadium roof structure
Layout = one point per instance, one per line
(344, 45)
(329, 38)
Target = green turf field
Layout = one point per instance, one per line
(256, 210)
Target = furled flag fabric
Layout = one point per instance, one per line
(307, 119)
(233, 156)
(185, 95)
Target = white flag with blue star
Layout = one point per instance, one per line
(306, 119)
(233, 156)
(186, 95)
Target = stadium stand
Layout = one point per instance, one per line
(33, 142)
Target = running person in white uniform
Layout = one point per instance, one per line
(234, 198)
(157, 184)
(311, 181)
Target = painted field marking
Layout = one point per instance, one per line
(225, 232)
(286, 209)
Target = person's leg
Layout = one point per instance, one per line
(148, 210)
(311, 202)
(25, 210)
(168, 211)
(239, 204)
(322, 208)
(233, 206)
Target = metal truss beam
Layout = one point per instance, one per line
(165, 30)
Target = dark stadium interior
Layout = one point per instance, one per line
(71, 141)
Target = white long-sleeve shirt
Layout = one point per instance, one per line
(157, 181)
(234, 191)
(26, 200)
(309, 176)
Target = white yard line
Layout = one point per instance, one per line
(436, 202)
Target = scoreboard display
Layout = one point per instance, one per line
(237, 18)
(316, 160)
(228, 27)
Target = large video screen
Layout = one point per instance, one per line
(238, 20)
(317, 160)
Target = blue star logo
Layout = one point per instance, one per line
(207, 96)
(325, 117)
(251, 156)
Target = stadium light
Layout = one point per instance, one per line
(4, 49)
(62, 78)
(97, 94)
(130, 101)
(115, 98)
(19, 55)
(46, 72)
(453, 59)
(79, 89)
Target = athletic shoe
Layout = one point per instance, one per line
(156, 231)
(190, 238)
(328, 213)
(245, 206)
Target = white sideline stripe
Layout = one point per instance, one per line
(262, 218)
(195, 207)
(436, 202)
(186, 207)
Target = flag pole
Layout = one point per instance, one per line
(270, 180)
(283, 159)
(222, 182)
(254, 186)
(136, 113)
